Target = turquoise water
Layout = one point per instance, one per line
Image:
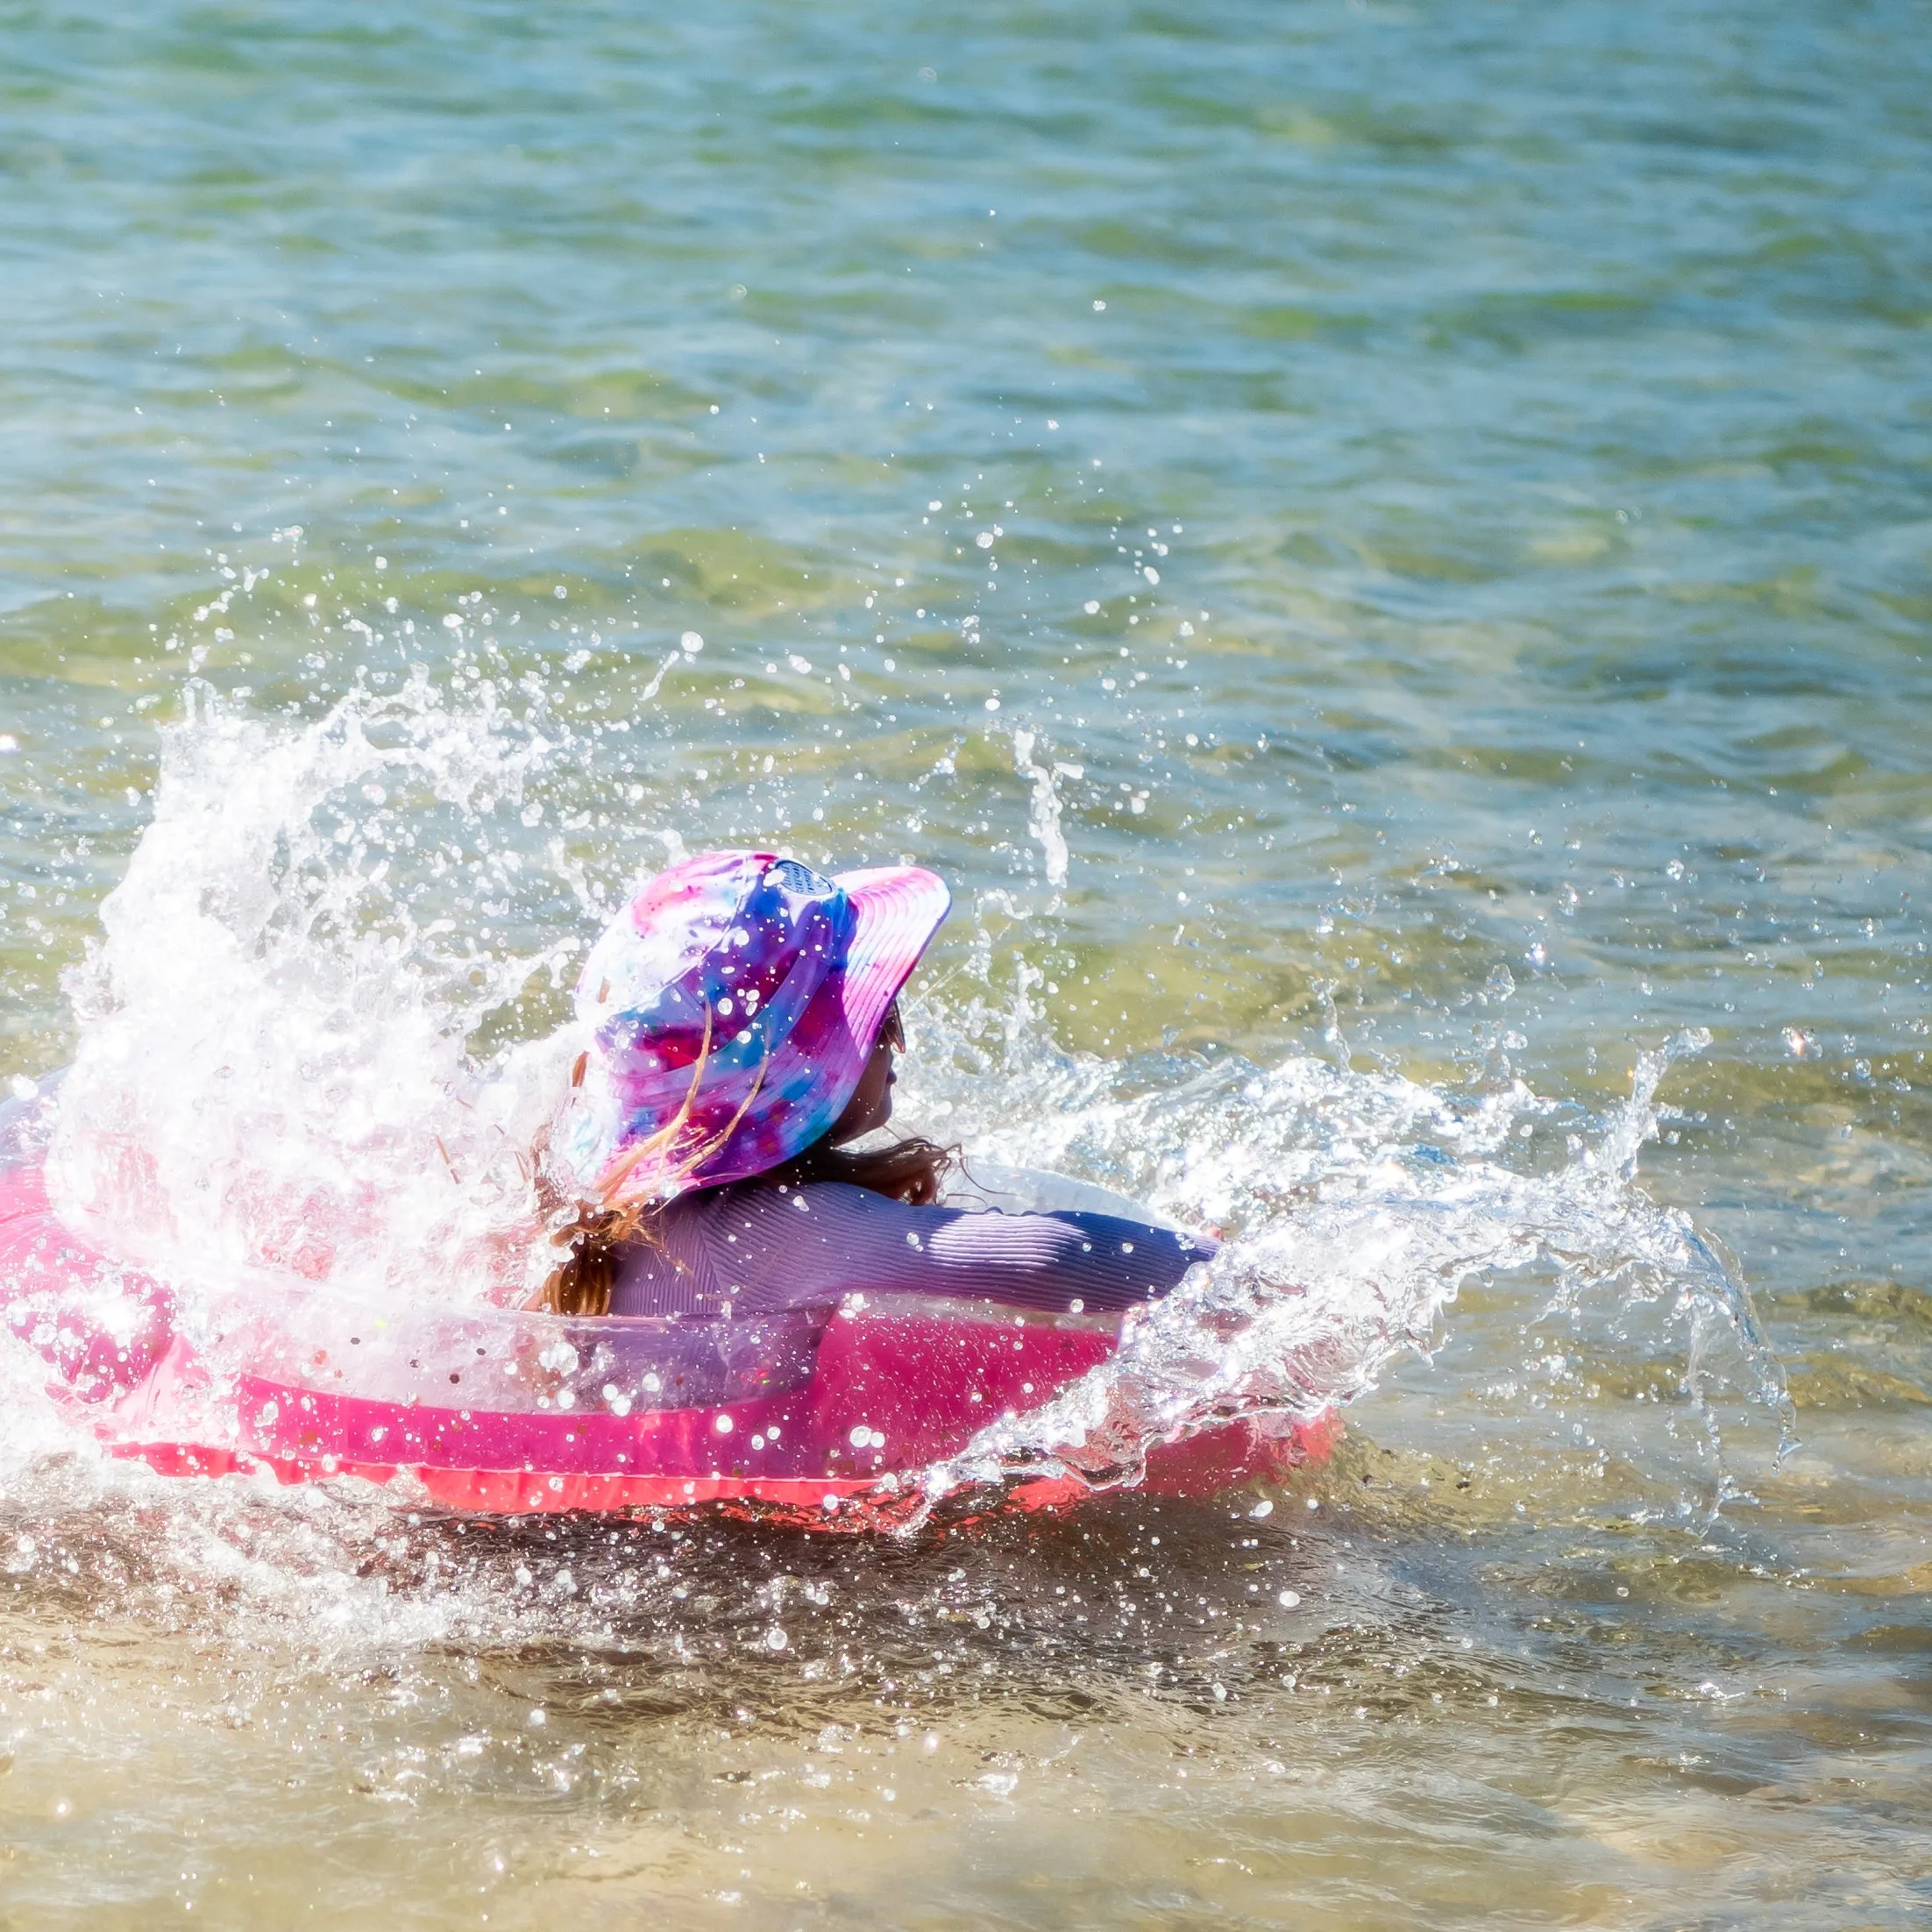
(1384, 552)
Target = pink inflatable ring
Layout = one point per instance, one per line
(493, 1412)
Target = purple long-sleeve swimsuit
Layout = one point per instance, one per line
(751, 1251)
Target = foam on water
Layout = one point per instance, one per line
(308, 1049)
(1358, 1205)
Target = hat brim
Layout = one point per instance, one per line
(896, 910)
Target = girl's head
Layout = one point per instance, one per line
(739, 1010)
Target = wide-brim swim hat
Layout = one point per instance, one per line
(733, 1006)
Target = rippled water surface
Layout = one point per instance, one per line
(1383, 551)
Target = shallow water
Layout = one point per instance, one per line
(1458, 485)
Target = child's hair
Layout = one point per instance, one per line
(909, 1170)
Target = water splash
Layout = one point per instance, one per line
(1357, 1206)
(273, 1068)
(281, 1072)
(1044, 822)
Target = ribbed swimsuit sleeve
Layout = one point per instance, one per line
(760, 1251)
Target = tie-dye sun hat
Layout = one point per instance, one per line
(733, 1004)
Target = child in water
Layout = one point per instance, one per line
(744, 1014)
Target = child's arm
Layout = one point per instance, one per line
(810, 1247)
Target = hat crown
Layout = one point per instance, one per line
(728, 947)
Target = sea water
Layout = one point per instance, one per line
(1382, 551)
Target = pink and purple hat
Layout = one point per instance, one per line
(734, 1003)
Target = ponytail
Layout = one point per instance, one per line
(581, 1284)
